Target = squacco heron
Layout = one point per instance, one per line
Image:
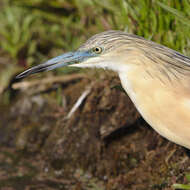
(156, 78)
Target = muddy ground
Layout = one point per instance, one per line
(103, 145)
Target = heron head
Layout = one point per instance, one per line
(106, 50)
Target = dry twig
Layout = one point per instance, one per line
(24, 85)
(79, 101)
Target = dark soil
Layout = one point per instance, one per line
(104, 145)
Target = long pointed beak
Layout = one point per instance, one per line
(59, 61)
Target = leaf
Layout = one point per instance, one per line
(181, 186)
(177, 13)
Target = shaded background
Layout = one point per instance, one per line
(104, 144)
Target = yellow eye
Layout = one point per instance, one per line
(97, 50)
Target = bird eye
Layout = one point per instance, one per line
(97, 50)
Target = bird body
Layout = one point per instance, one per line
(166, 108)
(156, 78)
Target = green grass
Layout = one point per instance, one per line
(17, 30)
(32, 30)
(183, 186)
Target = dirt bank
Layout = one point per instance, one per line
(104, 144)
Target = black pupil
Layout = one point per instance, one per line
(97, 49)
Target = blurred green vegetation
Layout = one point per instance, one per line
(183, 186)
(31, 30)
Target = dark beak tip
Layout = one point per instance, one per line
(18, 77)
(21, 75)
